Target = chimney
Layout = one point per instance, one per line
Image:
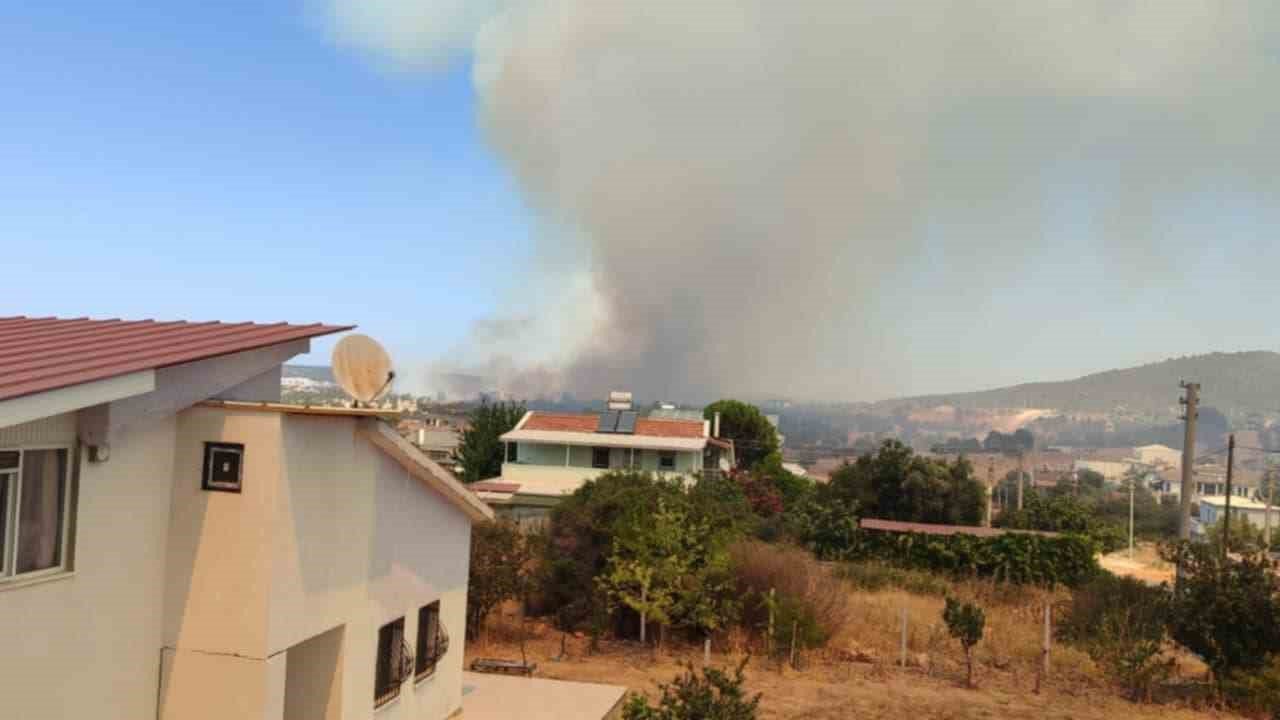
(715, 425)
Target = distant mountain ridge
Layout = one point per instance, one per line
(1234, 383)
(319, 373)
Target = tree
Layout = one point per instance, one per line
(499, 569)
(965, 622)
(1225, 610)
(716, 695)
(897, 484)
(754, 437)
(480, 453)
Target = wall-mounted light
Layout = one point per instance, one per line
(99, 453)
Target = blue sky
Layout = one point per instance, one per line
(230, 161)
(224, 161)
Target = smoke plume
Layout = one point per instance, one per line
(741, 195)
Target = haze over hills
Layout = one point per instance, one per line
(1235, 383)
(317, 373)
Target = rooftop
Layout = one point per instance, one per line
(587, 423)
(42, 354)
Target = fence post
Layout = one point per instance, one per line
(1042, 672)
(795, 630)
(903, 654)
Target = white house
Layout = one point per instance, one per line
(550, 455)
(176, 544)
(1213, 509)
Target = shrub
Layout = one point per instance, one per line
(873, 576)
(1257, 691)
(1225, 610)
(1120, 622)
(965, 622)
(806, 593)
(1020, 558)
(499, 569)
(716, 695)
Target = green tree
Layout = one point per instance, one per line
(716, 695)
(1226, 610)
(897, 484)
(965, 622)
(480, 453)
(501, 556)
(754, 437)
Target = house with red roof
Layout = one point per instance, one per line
(175, 543)
(550, 455)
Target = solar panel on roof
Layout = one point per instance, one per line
(627, 422)
(608, 422)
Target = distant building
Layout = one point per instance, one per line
(1158, 455)
(1213, 509)
(550, 455)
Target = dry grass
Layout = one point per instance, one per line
(857, 675)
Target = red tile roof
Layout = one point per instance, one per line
(39, 354)
(649, 427)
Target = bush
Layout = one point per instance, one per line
(805, 593)
(498, 571)
(1257, 691)
(716, 695)
(873, 576)
(1225, 610)
(966, 623)
(1120, 622)
(1019, 558)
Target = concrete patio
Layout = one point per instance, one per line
(490, 697)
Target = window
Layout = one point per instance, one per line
(600, 457)
(433, 642)
(223, 464)
(512, 452)
(666, 460)
(34, 504)
(392, 663)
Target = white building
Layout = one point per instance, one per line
(175, 548)
(1158, 456)
(550, 455)
(1213, 509)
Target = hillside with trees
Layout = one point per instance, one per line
(1236, 383)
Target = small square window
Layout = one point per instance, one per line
(666, 460)
(600, 457)
(223, 466)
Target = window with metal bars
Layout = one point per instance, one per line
(433, 641)
(394, 663)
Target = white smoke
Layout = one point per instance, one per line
(744, 182)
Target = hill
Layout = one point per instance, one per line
(1235, 383)
(318, 373)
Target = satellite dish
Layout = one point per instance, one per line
(362, 367)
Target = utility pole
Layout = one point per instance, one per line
(991, 487)
(1192, 402)
(1266, 517)
(1021, 457)
(1133, 479)
(1226, 517)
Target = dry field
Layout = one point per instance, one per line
(857, 675)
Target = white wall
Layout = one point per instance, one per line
(87, 645)
(329, 533)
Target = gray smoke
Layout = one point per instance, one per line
(743, 192)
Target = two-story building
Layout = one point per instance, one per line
(550, 455)
(177, 544)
